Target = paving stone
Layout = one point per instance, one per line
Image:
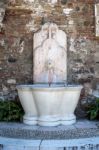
(85, 124)
(48, 129)
(51, 148)
(70, 142)
(68, 127)
(19, 148)
(9, 124)
(57, 128)
(19, 142)
(1, 147)
(55, 143)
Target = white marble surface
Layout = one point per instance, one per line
(50, 55)
(51, 106)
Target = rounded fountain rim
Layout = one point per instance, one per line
(46, 86)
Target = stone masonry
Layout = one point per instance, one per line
(20, 19)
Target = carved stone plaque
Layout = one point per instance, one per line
(50, 55)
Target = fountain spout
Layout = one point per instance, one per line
(50, 72)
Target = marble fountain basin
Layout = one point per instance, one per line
(49, 106)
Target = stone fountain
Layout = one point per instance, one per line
(49, 101)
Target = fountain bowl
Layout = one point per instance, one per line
(49, 106)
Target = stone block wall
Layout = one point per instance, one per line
(20, 19)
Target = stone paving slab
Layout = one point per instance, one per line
(19, 148)
(70, 143)
(85, 124)
(19, 142)
(82, 129)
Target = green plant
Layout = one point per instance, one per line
(10, 111)
(93, 110)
